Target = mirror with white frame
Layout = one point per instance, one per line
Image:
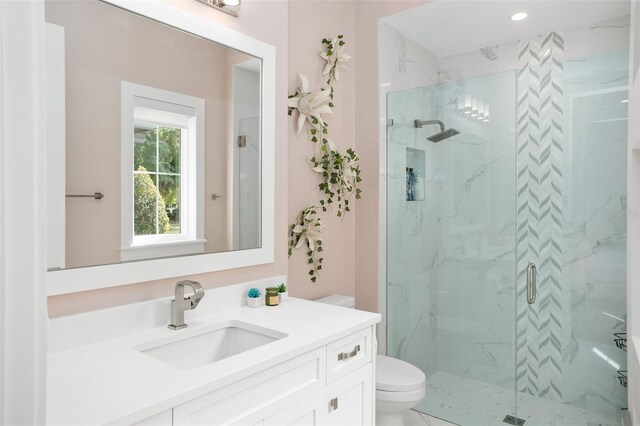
(159, 130)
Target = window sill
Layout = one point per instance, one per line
(162, 249)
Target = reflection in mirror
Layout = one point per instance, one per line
(165, 124)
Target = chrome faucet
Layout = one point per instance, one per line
(181, 303)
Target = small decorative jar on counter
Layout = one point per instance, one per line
(272, 298)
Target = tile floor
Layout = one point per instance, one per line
(471, 403)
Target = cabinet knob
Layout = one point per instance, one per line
(347, 355)
(333, 404)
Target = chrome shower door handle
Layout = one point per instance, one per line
(532, 276)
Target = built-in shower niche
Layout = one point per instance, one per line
(415, 169)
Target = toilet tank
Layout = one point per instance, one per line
(339, 300)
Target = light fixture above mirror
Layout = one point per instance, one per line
(229, 7)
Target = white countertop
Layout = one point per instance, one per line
(110, 381)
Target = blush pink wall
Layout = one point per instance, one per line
(309, 23)
(351, 253)
(265, 20)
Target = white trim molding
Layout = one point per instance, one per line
(56, 150)
(149, 104)
(22, 213)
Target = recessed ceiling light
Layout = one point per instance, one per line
(625, 101)
(231, 2)
(519, 16)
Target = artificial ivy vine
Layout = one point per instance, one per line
(340, 172)
(308, 229)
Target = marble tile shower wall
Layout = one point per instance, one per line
(404, 64)
(412, 247)
(541, 143)
(594, 231)
(601, 37)
(476, 227)
(451, 258)
(450, 263)
(570, 224)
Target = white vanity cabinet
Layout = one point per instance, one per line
(331, 385)
(349, 401)
(317, 369)
(251, 400)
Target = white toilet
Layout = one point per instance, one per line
(400, 386)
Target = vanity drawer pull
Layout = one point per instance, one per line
(333, 404)
(349, 353)
(345, 355)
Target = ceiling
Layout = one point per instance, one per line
(448, 27)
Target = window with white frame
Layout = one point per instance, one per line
(162, 173)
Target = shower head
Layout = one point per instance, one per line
(441, 135)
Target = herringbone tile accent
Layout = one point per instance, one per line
(539, 214)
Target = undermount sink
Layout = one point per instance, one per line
(195, 348)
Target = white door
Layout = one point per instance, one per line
(349, 400)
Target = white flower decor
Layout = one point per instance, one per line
(335, 57)
(311, 105)
(308, 229)
(340, 172)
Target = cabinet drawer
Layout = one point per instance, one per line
(250, 400)
(348, 354)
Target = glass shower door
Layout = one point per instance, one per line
(571, 228)
(533, 190)
(451, 245)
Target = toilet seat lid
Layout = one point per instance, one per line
(394, 375)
